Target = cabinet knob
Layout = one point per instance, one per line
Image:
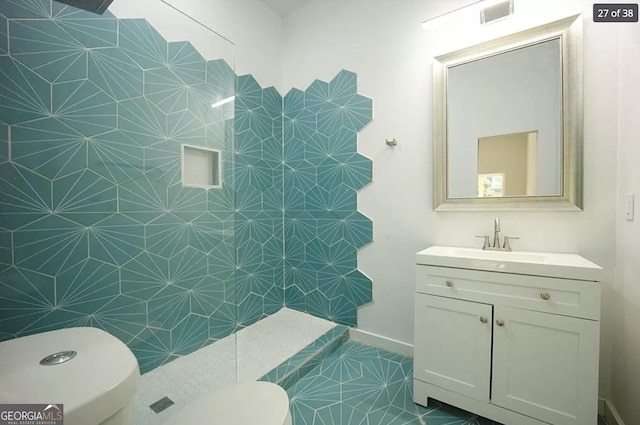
(500, 322)
(449, 283)
(545, 296)
(483, 319)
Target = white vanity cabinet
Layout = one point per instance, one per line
(516, 348)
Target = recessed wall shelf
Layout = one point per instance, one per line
(201, 167)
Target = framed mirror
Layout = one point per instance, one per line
(508, 122)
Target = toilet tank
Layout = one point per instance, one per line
(93, 385)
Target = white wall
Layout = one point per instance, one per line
(382, 41)
(625, 379)
(249, 33)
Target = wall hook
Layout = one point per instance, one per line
(391, 142)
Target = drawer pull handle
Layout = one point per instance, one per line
(483, 319)
(449, 283)
(545, 296)
(500, 322)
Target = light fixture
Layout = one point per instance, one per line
(223, 101)
(489, 11)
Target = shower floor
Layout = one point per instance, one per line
(261, 347)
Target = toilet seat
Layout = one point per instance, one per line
(260, 403)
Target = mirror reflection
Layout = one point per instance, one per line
(507, 165)
(504, 124)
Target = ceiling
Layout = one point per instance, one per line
(284, 7)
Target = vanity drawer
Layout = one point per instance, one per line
(567, 297)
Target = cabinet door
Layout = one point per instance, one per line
(453, 345)
(546, 366)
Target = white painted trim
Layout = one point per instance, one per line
(379, 341)
(611, 413)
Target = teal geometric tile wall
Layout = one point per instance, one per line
(322, 175)
(259, 209)
(96, 228)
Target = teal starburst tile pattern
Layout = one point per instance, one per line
(84, 107)
(4, 143)
(6, 254)
(95, 226)
(91, 30)
(4, 41)
(95, 110)
(163, 87)
(50, 244)
(144, 276)
(142, 43)
(152, 348)
(24, 95)
(186, 62)
(115, 73)
(206, 232)
(223, 321)
(221, 77)
(323, 172)
(87, 286)
(258, 232)
(168, 306)
(84, 197)
(185, 127)
(207, 296)
(143, 199)
(123, 316)
(357, 384)
(25, 196)
(295, 368)
(143, 121)
(115, 156)
(25, 297)
(162, 162)
(48, 49)
(190, 334)
(49, 147)
(24, 9)
(167, 235)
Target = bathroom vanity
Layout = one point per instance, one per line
(511, 336)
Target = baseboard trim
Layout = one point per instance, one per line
(611, 413)
(379, 341)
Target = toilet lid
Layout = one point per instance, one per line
(240, 404)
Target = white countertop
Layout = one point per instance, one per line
(558, 265)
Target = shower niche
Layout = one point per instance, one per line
(201, 167)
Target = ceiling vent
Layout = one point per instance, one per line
(496, 10)
(95, 6)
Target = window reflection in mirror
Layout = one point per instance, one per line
(507, 165)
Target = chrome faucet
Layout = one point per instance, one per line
(506, 246)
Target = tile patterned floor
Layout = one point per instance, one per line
(362, 385)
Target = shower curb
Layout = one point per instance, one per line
(288, 373)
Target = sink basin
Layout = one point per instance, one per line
(528, 257)
(560, 265)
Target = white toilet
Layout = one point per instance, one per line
(92, 373)
(95, 376)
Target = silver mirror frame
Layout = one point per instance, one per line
(569, 30)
